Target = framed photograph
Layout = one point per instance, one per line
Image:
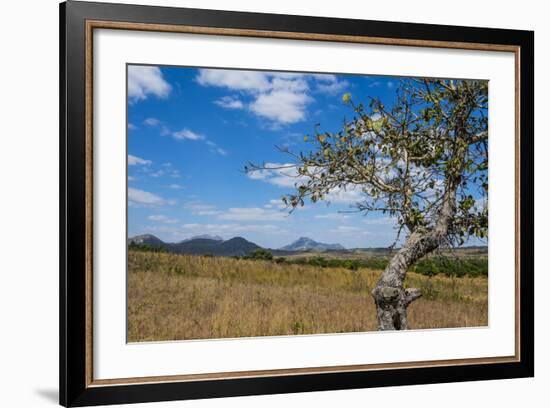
(257, 204)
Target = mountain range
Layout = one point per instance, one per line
(237, 246)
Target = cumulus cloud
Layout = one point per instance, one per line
(281, 98)
(255, 81)
(137, 161)
(144, 81)
(281, 106)
(138, 197)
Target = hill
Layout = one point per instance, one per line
(307, 244)
(237, 246)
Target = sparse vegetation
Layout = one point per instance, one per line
(145, 247)
(175, 297)
(448, 265)
(428, 266)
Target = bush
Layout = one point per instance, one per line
(430, 266)
(452, 267)
(260, 254)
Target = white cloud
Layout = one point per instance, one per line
(345, 195)
(187, 134)
(281, 106)
(286, 175)
(379, 221)
(206, 212)
(278, 174)
(158, 173)
(328, 83)
(138, 197)
(282, 98)
(162, 219)
(254, 81)
(198, 208)
(333, 216)
(194, 205)
(252, 214)
(151, 122)
(231, 229)
(144, 81)
(276, 204)
(333, 88)
(137, 161)
(175, 186)
(229, 102)
(346, 229)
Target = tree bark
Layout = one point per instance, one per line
(390, 296)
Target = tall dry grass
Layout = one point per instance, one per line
(176, 297)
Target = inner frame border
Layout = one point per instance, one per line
(90, 25)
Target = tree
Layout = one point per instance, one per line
(261, 254)
(422, 161)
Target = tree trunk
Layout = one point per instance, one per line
(390, 297)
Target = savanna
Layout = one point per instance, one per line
(181, 297)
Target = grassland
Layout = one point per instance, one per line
(177, 297)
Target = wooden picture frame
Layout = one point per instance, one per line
(78, 20)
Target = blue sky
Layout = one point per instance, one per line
(191, 132)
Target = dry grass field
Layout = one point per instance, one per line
(178, 297)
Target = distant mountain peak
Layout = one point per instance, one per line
(308, 244)
(148, 239)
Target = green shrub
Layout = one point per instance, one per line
(260, 254)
